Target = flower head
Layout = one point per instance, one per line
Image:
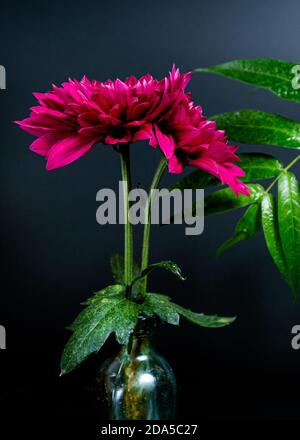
(186, 137)
(69, 120)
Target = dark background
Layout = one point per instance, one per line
(54, 254)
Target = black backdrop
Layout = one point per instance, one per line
(54, 254)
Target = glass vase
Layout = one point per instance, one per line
(138, 384)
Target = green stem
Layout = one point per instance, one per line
(292, 163)
(128, 239)
(145, 250)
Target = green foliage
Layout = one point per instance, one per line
(224, 200)
(280, 219)
(271, 232)
(258, 127)
(166, 310)
(160, 305)
(168, 265)
(289, 225)
(259, 166)
(246, 228)
(277, 76)
(109, 311)
(105, 314)
(209, 321)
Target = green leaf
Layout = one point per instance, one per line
(277, 76)
(213, 321)
(92, 327)
(224, 200)
(246, 228)
(258, 127)
(167, 265)
(271, 232)
(168, 311)
(289, 225)
(259, 166)
(161, 306)
(112, 290)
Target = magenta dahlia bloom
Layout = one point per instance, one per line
(69, 120)
(186, 137)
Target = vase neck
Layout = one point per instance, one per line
(140, 346)
(141, 341)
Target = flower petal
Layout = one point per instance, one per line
(68, 150)
(165, 141)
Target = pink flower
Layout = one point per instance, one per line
(186, 137)
(69, 120)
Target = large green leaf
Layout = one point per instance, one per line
(161, 306)
(258, 127)
(271, 232)
(168, 311)
(92, 327)
(278, 76)
(289, 225)
(210, 321)
(224, 200)
(246, 228)
(259, 166)
(168, 265)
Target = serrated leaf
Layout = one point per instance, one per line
(258, 127)
(112, 290)
(160, 305)
(289, 225)
(168, 265)
(210, 321)
(224, 200)
(245, 229)
(271, 233)
(168, 311)
(99, 299)
(92, 327)
(277, 76)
